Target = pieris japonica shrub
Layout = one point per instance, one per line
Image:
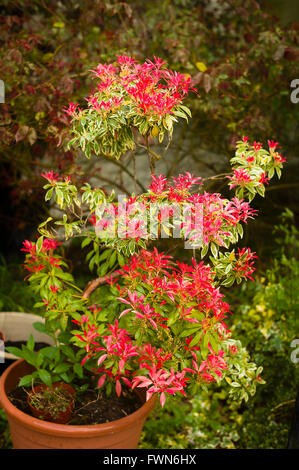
(146, 319)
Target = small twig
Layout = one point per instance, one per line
(167, 146)
(86, 404)
(134, 168)
(151, 159)
(289, 402)
(125, 169)
(107, 180)
(282, 186)
(220, 176)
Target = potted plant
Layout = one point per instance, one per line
(54, 403)
(147, 324)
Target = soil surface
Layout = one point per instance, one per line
(92, 408)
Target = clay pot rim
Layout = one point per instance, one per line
(67, 430)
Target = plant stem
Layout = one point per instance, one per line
(92, 285)
(150, 157)
(125, 169)
(134, 168)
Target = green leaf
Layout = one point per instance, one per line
(64, 276)
(63, 321)
(78, 370)
(45, 223)
(235, 384)
(112, 259)
(187, 110)
(67, 350)
(228, 269)
(240, 230)
(66, 377)
(214, 250)
(15, 351)
(45, 377)
(228, 282)
(189, 331)
(120, 259)
(29, 356)
(204, 250)
(60, 198)
(103, 269)
(214, 343)
(204, 346)
(180, 114)
(92, 262)
(49, 194)
(261, 190)
(61, 368)
(39, 243)
(172, 318)
(39, 326)
(271, 173)
(196, 339)
(105, 254)
(86, 242)
(30, 342)
(26, 380)
(50, 352)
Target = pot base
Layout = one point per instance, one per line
(31, 433)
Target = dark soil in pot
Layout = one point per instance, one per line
(93, 407)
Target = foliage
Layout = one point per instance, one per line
(51, 364)
(171, 337)
(5, 439)
(243, 74)
(210, 420)
(15, 295)
(264, 318)
(147, 97)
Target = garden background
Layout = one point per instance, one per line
(243, 56)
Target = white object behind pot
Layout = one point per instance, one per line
(17, 326)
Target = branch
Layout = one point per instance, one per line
(151, 158)
(289, 402)
(220, 176)
(125, 169)
(92, 285)
(282, 186)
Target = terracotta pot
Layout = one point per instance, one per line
(62, 417)
(28, 432)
